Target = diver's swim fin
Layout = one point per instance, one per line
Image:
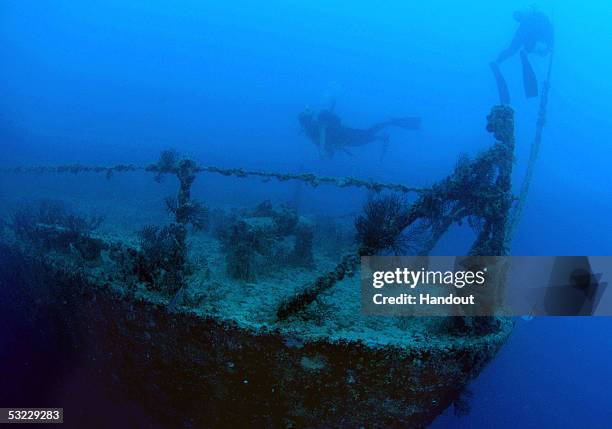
(407, 123)
(502, 88)
(530, 81)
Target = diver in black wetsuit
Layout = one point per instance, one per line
(326, 131)
(534, 35)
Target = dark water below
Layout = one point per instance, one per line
(552, 372)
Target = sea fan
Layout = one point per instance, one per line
(382, 222)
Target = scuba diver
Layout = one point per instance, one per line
(534, 35)
(326, 131)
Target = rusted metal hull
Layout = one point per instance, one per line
(193, 371)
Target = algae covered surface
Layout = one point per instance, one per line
(224, 316)
(218, 340)
(253, 303)
(233, 315)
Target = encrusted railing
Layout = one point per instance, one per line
(478, 190)
(308, 178)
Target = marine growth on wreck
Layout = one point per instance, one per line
(256, 295)
(137, 281)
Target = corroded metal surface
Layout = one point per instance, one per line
(199, 371)
(192, 371)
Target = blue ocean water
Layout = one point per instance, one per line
(107, 82)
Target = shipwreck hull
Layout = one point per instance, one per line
(192, 371)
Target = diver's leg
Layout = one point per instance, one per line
(374, 129)
(505, 54)
(406, 123)
(354, 137)
(530, 81)
(511, 50)
(502, 87)
(529, 46)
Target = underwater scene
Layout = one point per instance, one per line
(191, 192)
